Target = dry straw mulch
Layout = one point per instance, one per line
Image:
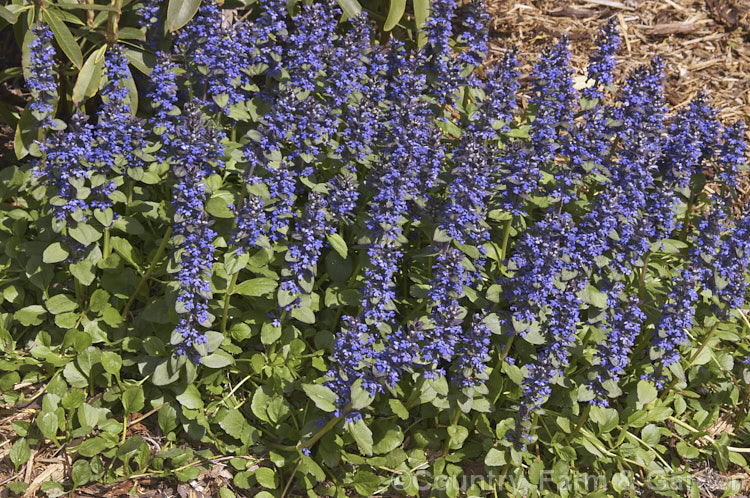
(705, 44)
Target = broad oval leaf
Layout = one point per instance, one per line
(180, 12)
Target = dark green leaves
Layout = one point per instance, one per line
(351, 8)
(323, 397)
(89, 78)
(55, 253)
(255, 287)
(179, 13)
(395, 13)
(64, 37)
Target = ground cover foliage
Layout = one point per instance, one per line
(362, 264)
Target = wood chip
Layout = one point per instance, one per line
(54, 471)
(610, 3)
(724, 12)
(568, 11)
(673, 28)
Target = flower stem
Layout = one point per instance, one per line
(692, 359)
(147, 275)
(642, 282)
(506, 236)
(106, 249)
(582, 420)
(230, 291)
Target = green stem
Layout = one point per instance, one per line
(230, 291)
(147, 275)
(107, 246)
(582, 420)
(688, 210)
(642, 282)
(454, 422)
(415, 394)
(322, 432)
(506, 236)
(690, 363)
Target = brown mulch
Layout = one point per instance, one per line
(705, 44)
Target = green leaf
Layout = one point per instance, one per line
(11, 12)
(30, 315)
(494, 458)
(395, 13)
(646, 392)
(55, 253)
(122, 247)
(398, 409)
(732, 488)
(26, 132)
(722, 452)
(88, 416)
(323, 397)
(64, 37)
(93, 446)
(233, 262)
(255, 287)
(651, 434)
(89, 78)
(88, 6)
(362, 436)
(421, 12)
(217, 207)
(18, 487)
(266, 477)
(112, 362)
(20, 452)
(595, 297)
(61, 303)
(338, 244)
(261, 399)
(82, 271)
(80, 473)
(48, 425)
(180, 12)
(84, 233)
(387, 436)
(351, 8)
(133, 399)
(366, 482)
(620, 482)
(269, 333)
(218, 359)
(234, 423)
(191, 398)
(360, 396)
(304, 314)
(132, 97)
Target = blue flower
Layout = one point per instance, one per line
(613, 354)
(446, 287)
(216, 55)
(307, 242)
(41, 81)
(66, 166)
(472, 353)
(602, 62)
(198, 150)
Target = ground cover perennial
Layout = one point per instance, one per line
(398, 208)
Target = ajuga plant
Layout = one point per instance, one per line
(353, 257)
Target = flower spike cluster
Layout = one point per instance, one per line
(429, 233)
